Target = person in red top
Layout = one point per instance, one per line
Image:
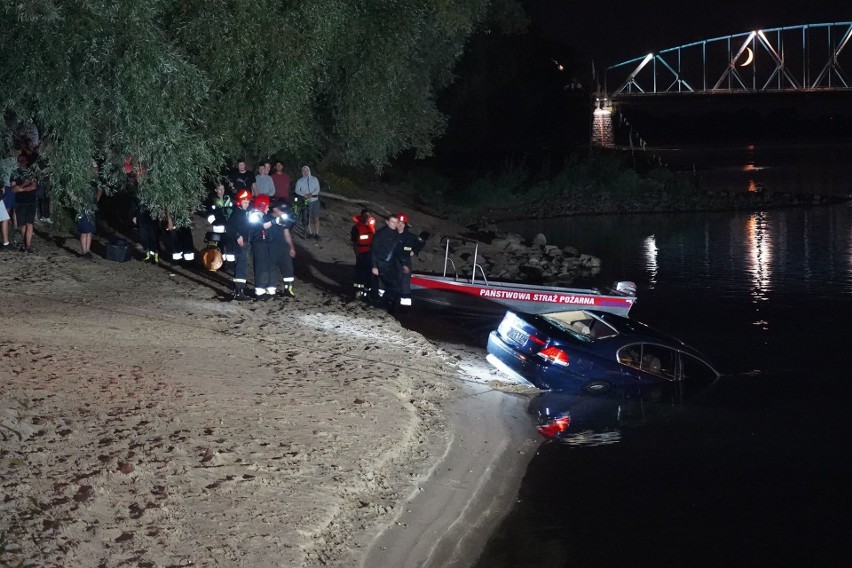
(362, 239)
(282, 182)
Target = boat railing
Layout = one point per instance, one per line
(449, 261)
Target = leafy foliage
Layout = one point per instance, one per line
(181, 84)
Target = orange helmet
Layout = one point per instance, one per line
(243, 194)
(261, 202)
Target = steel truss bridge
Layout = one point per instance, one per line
(789, 59)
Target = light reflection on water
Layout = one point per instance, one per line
(766, 296)
(796, 250)
(711, 277)
(651, 259)
(819, 166)
(760, 252)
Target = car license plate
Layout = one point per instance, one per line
(518, 336)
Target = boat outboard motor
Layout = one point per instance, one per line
(625, 287)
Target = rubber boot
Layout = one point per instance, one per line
(240, 296)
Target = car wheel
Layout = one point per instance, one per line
(597, 387)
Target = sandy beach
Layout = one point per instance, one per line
(146, 422)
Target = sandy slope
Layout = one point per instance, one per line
(145, 422)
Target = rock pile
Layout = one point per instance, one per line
(508, 257)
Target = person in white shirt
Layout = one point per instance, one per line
(308, 188)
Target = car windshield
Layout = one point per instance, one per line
(581, 324)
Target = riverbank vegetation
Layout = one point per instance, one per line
(180, 86)
(599, 184)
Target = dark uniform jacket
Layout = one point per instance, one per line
(238, 224)
(384, 246)
(408, 243)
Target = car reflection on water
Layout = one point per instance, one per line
(596, 419)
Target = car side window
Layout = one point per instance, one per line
(630, 355)
(696, 374)
(659, 360)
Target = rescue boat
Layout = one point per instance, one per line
(454, 291)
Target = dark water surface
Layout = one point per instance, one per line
(819, 166)
(759, 473)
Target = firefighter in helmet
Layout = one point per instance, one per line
(281, 250)
(239, 229)
(362, 235)
(260, 223)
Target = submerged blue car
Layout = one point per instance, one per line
(593, 352)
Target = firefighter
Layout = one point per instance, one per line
(259, 220)
(362, 235)
(219, 210)
(180, 237)
(408, 245)
(384, 263)
(149, 230)
(281, 249)
(239, 230)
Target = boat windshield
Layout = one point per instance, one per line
(581, 324)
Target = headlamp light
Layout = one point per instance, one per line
(255, 217)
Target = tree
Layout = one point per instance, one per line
(181, 84)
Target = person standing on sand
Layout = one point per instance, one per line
(86, 225)
(264, 282)
(281, 249)
(408, 245)
(24, 185)
(308, 187)
(7, 166)
(384, 264)
(362, 235)
(4, 226)
(239, 230)
(149, 230)
(180, 238)
(219, 209)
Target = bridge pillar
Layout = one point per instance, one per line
(602, 135)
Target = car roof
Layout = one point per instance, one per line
(629, 331)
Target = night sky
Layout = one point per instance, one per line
(611, 32)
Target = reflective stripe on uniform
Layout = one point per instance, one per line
(288, 279)
(240, 280)
(189, 256)
(230, 258)
(177, 255)
(219, 229)
(405, 301)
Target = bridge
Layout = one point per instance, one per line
(803, 58)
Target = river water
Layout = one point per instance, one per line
(759, 472)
